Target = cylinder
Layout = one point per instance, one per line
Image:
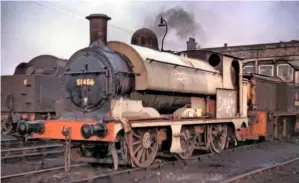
(98, 28)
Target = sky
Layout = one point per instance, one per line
(59, 28)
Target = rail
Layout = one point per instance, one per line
(159, 165)
(245, 175)
(38, 171)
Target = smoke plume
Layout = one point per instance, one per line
(180, 22)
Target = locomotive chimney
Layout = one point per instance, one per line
(98, 28)
(191, 44)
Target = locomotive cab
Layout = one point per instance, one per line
(272, 99)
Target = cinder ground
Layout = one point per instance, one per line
(286, 174)
(219, 167)
(215, 168)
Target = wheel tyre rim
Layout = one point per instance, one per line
(190, 142)
(143, 156)
(215, 147)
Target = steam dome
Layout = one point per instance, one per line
(146, 38)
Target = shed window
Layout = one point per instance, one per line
(285, 72)
(266, 70)
(248, 69)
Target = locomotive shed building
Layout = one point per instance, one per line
(288, 51)
(269, 59)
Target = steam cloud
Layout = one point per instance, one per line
(239, 23)
(179, 21)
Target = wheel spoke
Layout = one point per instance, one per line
(147, 155)
(139, 154)
(136, 135)
(137, 149)
(137, 142)
(214, 132)
(190, 141)
(151, 148)
(143, 158)
(139, 132)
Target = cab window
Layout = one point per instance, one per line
(267, 70)
(285, 72)
(248, 69)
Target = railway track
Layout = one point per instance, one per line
(16, 143)
(29, 151)
(6, 177)
(121, 171)
(13, 148)
(106, 174)
(7, 141)
(244, 176)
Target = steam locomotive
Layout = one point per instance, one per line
(141, 101)
(31, 92)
